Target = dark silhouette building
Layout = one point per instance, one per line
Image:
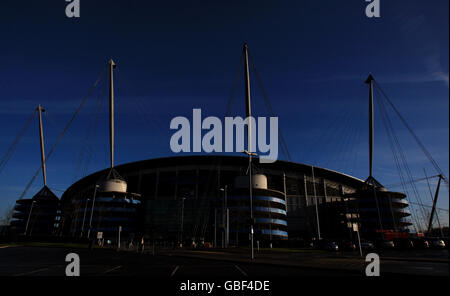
(180, 198)
(38, 216)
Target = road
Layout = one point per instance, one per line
(50, 261)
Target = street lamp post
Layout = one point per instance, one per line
(118, 239)
(92, 211)
(182, 220)
(29, 216)
(225, 213)
(215, 228)
(228, 227)
(84, 216)
(250, 154)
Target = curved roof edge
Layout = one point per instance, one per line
(193, 160)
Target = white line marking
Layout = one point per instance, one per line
(175, 270)
(243, 272)
(423, 267)
(31, 272)
(112, 269)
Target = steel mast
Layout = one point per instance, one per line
(369, 81)
(114, 182)
(41, 137)
(433, 209)
(248, 113)
(112, 65)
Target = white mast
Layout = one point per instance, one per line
(112, 65)
(114, 182)
(369, 81)
(41, 137)
(248, 111)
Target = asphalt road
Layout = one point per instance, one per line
(50, 261)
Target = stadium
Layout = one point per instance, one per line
(205, 198)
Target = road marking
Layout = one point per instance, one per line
(207, 252)
(423, 267)
(175, 270)
(112, 269)
(243, 272)
(31, 272)
(9, 246)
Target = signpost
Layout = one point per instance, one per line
(100, 238)
(118, 243)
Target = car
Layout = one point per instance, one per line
(446, 242)
(437, 244)
(404, 243)
(385, 244)
(347, 245)
(420, 243)
(331, 246)
(325, 244)
(366, 245)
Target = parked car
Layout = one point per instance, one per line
(446, 242)
(366, 245)
(437, 244)
(420, 243)
(331, 246)
(385, 244)
(346, 245)
(404, 243)
(325, 244)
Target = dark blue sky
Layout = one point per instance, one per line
(173, 56)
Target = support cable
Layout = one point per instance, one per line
(432, 201)
(269, 107)
(415, 181)
(398, 149)
(16, 141)
(86, 144)
(440, 209)
(63, 133)
(233, 89)
(388, 132)
(425, 151)
(92, 139)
